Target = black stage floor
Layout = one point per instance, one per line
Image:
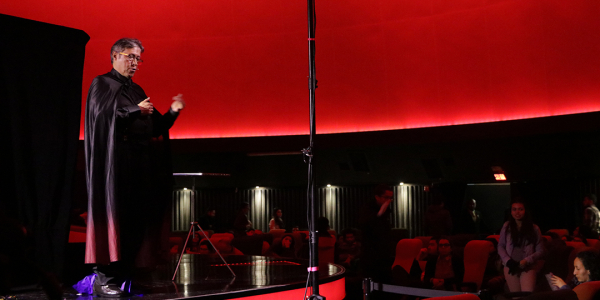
(203, 276)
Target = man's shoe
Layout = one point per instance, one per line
(108, 291)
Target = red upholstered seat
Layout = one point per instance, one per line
(218, 236)
(406, 251)
(77, 234)
(576, 245)
(326, 250)
(77, 237)
(209, 233)
(456, 297)
(424, 239)
(265, 248)
(588, 290)
(593, 243)
(277, 233)
(475, 258)
(560, 232)
(497, 237)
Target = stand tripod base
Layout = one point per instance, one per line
(192, 225)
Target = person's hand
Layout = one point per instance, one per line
(523, 264)
(146, 107)
(383, 207)
(422, 254)
(556, 281)
(513, 267)
(438, 283)
(178, 103)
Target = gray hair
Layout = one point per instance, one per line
(125, 43)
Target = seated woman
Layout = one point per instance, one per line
(286, 247)
(587, 268)
(276, 221)
(444, 271)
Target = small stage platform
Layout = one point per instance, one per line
(205, 276)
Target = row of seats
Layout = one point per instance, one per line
(476, 253)
(584, 291)
(258, 245)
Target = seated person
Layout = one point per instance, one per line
(323, 227)
(430, 251)
(444, 271)
(241, 224)
(224, 246)
(286, 247)
(348, 249)
(204, 247)
(276, 221)
(208, 221)
(587, 268)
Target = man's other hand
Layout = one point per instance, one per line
(178, 103)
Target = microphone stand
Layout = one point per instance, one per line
(309, 156)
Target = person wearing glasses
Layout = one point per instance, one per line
(127, 170)
(444, 271)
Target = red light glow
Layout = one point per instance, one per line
(384, 65)
(499, 176)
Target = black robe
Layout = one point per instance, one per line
(128, 171)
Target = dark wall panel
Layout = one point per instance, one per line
(341, 205)
(41, 70)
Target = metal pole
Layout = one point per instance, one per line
(309, 152)
(367, 289)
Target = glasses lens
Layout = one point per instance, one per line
(132, 57)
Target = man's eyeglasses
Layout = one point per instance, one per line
(443, 245)
(131, 57)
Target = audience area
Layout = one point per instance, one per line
(478, 257)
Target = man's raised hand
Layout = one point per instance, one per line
(146, 107)
(178, 103)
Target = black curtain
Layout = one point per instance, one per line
(41, 73)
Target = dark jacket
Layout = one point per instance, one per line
(457, 267)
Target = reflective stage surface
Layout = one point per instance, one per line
(203, 276)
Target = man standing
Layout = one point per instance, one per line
(127, 169)
(241, 224)
(591, 218)
(437, 220)
(376, 259)
(469, 220)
